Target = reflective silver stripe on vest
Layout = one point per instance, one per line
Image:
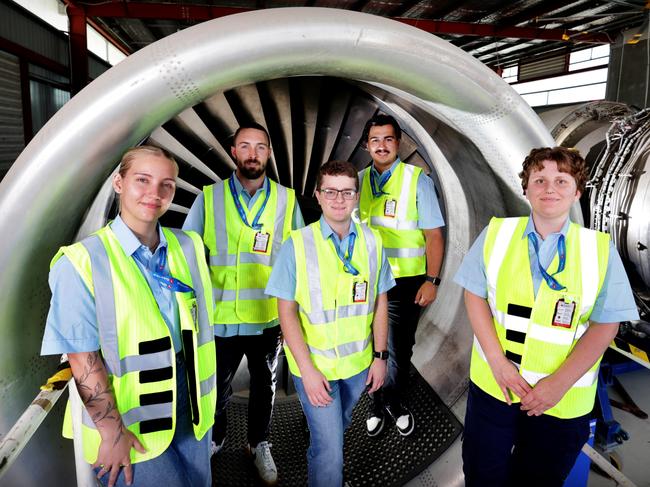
(501, 243)
(396, 253)
(589, 268)
(208, 385)
(244, 258)
(219, 210)
(405, 193)
(105, 305)
(143, 413)
(280, 215)
(148, 361)
(343, 350)
(135, 415)
(319, 316)
(587, 380)
(231, 294)
(189, 251)
(313, 270)
(393, 223)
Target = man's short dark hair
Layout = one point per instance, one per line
(251, 125)
(337, 168)
(379, 121)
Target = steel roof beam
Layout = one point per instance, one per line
(204, 12)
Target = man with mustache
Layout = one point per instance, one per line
(399, 201)
(243, 221)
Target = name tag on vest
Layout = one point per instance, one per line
(261, 242)
(564, 311)
(390, 208)
(360, 292)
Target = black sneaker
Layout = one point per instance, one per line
(375, 423)
(404, 420)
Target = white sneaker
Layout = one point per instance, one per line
(214, 448)
(264, 463)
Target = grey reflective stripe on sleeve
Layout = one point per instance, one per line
(141, 413)
(187, 246)
(208, 384)
(280, 214)
(104, 303)
(219, 209)
(313, 270)
(343, 350)
(392, 252)
(251, 294)
(393, 223)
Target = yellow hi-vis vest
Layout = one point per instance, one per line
(395, 215)
(239, 272)
(135, 342)
(524, 322)
(336, 324)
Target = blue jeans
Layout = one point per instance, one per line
(326, 427)
(186, 462)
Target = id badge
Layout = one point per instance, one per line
(261, 242)
(390, 207)
(360, 292)
(564, 311)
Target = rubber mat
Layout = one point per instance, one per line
(388, 460)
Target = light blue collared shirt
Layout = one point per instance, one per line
(71, 325)
(196, 221)
(615, 302)
(429, 214)
(282, 283)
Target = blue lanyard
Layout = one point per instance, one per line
(561, 252)
(242, 213)
(377, 187)
(349, 268)
(163, 278)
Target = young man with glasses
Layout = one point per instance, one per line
(331, 279)
(243, 221)
(399, 200)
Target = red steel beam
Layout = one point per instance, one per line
(166, 11)
(489, 30)
(78, 48)
(163, 11)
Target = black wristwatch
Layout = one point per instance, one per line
(381, 355)
(433, 280)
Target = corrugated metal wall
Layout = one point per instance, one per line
(25, 30)
(12, 137)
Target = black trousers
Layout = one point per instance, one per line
(504, 447)
(262, 354)
(403, 317)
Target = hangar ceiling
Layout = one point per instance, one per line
(500, 33)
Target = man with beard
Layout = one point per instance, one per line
(243, 221)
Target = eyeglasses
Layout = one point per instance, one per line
(332, 194)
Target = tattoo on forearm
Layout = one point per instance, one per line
(96, 394)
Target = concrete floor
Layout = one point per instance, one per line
(634, 453)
